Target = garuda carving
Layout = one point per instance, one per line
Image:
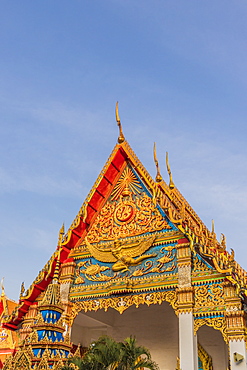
(122, 255)
(93, 272)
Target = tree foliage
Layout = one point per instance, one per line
(107, 354)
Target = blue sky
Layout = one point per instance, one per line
(178, 70)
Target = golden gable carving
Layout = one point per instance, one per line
(126, 217)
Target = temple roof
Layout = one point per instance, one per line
(171, 201)
(8, 339)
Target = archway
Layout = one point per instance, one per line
(154, 326)
(213, 343)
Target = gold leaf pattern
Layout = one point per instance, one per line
(109, 225)
(122, 303)
(209, 295)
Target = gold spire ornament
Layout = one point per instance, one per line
(56, 271)
(214, 241)
(61, 235)
(171, 183)
(121, 137)
(158, 177)
(22, 290)
(213, 227)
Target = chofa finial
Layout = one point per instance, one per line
(121, 137)
(171, 183)
(158, 177)
(213, 228)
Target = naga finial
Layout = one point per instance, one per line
(61, 235)
(121, 137)
(171, 183)
(2, 286)
(223, 241)
(232, 256)
(158, 177)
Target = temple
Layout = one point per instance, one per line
(8, 338)
(137, 260)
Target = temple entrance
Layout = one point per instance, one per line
(214, 345)
(155, 327)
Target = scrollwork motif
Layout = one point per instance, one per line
(122, 303)
(209, 295)
(218, 323)
(125, 218)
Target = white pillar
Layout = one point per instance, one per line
(195, 352)
(239, 347)
(187, 342)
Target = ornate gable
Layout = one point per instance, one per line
(130, 244)
(129, 238)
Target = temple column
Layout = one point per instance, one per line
(187, 340)
(66, 278)
(236, 348)
(235, 323)
(195, 349)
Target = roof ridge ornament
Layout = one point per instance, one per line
(2, 287)
(213, 234)
(61, 235)
(22, 291)
(223, 241)
(158, 177)
(171, 183)
(56, 271)
(121, 137)
(213, 228)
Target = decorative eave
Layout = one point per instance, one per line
(77, 230)
(96, 198)
(201, 239)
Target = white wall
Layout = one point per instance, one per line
(155, 327)
(213, 342)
